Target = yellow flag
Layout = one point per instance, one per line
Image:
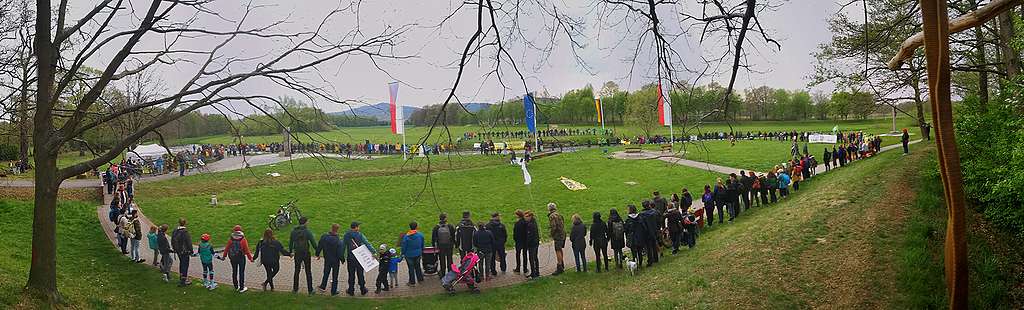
(597, 104)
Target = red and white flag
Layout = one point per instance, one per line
(397, 119)
(664, 108)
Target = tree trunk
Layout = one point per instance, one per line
(42, 274)
(23, 123)
(982, 59)
(918, 103)
(1011, 62)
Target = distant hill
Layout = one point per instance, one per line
(379, 111)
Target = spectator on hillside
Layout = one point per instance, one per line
(652, 221)
(412, 251)
(599, 241)
(674, 222)
(616, 236)
(299, 243)
(270, 250)
(708, 198)
(154, 244)
(329, 245)
(721, 200)
(135, 235)
(557, 232)
(578, 235)
(237, 252)
(353, 239)
(164, 247)
(519, 239)
(532, 244)
(500, 234)
(636, 235)
(206, 254)
(443, 238)
(905, 139)
(464, 234)
(483, 242)
(182, 243)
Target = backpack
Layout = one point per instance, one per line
(113, 213)
(444, 236)
(301, 240)
(618, 230)
(236, 248)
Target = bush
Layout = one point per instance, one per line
(8, 152)
(991, 146)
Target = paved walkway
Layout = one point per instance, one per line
(255, 275)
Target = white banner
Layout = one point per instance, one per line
(819, 138)
(365, 258)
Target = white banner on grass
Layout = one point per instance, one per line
(365, 258)
(819, 138)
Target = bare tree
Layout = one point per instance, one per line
(106, 37)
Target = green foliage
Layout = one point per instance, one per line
(8, 152)
(992, 156)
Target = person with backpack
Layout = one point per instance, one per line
(412, 251)
(557, 232)
(154, 244)
(206, 254)
(599, 241)
(578, 235)
(165, 252)
(483, 242)
(353, 239)
(182, 243)
(270, 250)
(532, 244)
(443, 239)
(330, 247)
(237, 251)
(464, 234)
(519, 239)
(134, 230)
(500, 234)
(636, 235)
(298, 244)
(616, 236)
(674, 222)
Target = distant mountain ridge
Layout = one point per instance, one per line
(381, 112)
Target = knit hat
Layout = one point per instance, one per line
(205, 237)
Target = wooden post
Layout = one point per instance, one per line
(936, 39)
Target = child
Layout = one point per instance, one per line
(383, 270)
(153, 244)
(393, 272)
(206, 254)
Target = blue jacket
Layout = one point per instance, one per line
(784, 180)
(412, 245)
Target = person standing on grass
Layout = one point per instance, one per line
(599, 241)
(783, 183)
(732, 197)
(237, 252)
(755, 189)
(708, 198)
(773, 184)
(329, 245)
(464, 234)
(578, 236)
(686, 199)
(763, 189)
(744, 190)
(652, 222)
(412, 250)
(636, 235)
(182, 243)
(674, 222)
(154, 244)
(299, 242)
(532, 244)
(206, 254)
(165, 252)
(557, 232)
(827, 157)
(905, 139)
(353, 239)
(443, 238)
(500, 234)
(483, 242)
(270, 250)
(616, 236)
(519, 239)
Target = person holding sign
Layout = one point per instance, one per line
(353, 241)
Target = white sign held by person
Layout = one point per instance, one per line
(818, 138)
(365, 258)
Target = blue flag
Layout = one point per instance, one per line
(531, 113)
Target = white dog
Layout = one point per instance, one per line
(631, 266)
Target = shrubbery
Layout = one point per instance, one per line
(991, 145)
(8, 152)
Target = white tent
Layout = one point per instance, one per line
(146, 152)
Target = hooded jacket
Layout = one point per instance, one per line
(412, 244)
(237, 237)
(617, 242)
(578, 236)
(499, 232)
(270, 251)
(599, 232)
(181, 242)
(483, 241)
(532, 234)
(519, 233)
(464, 235)
(295, 244)
(329, 245)
(636, 231)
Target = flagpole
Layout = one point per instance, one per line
(536, 133)
(405, 147)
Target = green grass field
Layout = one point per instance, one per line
(803, 252)
(386, 204)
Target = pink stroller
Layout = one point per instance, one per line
(464, 272)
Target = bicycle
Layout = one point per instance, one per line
(286, 213)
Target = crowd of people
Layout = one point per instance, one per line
(642, 236)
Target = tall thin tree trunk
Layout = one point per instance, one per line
(982, 69)
(23, 123)
(42, 274)
(1011, 62)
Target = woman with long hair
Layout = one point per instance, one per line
(270, 250)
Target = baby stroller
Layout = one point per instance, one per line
(464, 272)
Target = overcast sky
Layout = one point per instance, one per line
(799, 25)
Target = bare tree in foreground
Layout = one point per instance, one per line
(108, 40)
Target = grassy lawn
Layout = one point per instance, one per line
(830, 245)
(382, 134)
(386, 204)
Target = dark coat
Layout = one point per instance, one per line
(620, 241)
(162, 244)
(330, 246)
(499, 232)
(464, 235)
(636, 231)
(675, 221)
(599, 234)
(532, 234)
(483, 241)
(578, 236)
(270, 251)
(519, 233)
(451, 235)
(181, 241)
